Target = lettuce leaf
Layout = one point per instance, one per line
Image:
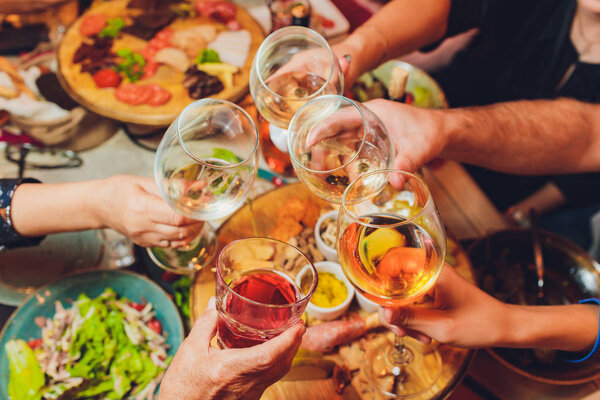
(26, 376)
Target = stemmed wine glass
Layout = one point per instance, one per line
(204, 168)
(391, 245)
(333, 140)
(292, 66)
(262, 287)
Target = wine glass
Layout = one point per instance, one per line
(333, 140)
(262, 288)
(204, 168)
(292, 66)
(391, 245)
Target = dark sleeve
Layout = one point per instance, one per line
(9, 238)
(579, 189)
(466, 14)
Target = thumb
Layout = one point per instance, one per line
(345, 63)
(205, 327)
(285, 345)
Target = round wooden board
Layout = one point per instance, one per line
(239, 225)
(82, 88)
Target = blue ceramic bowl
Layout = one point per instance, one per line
(133, 286)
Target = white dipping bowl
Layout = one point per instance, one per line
(365, 304)
(329, 253)
(329, 313)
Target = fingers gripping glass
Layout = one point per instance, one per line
(204, 168)
(332, 141)
(391, 245)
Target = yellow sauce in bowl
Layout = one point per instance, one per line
(330, 291)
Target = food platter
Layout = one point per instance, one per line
(22, 323)
(83, 88)
(503, 263)
(278, 224)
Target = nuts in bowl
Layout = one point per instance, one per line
(325, 235)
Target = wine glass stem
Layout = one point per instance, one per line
(401, 355)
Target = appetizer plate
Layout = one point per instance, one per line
(83, 89)
(21, 324)
(425, 89)
(25, 270)
(505, 269)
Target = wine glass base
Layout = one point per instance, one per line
(189, 259)
(404, 380)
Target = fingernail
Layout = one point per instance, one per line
(348, 58)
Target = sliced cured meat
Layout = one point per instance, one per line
(133, 94)
(159, 96)
(220, 11)
(150, 69)
(326, 336)
(92, 24)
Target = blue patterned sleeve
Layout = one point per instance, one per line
(9, 238)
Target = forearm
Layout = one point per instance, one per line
(525, 137)
(570, 328)
(40, 209)
(398, 28)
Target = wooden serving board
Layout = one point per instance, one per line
(82, 88)
(240, 225)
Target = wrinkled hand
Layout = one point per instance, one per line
(133, 206)
(463, 316)
(202, 372)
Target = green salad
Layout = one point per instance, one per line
(101, 348)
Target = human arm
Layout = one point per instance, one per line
(519, 137)
(465, 316)
(128, 204)
(202, 372)
(398, 28)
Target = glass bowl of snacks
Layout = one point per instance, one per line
(333, 294)
(325, 235)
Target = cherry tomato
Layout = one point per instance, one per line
(107, 78)
(137, 306)
(35, 343)
(410, 99)
(155, 326)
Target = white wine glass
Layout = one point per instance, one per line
(332, 140)
(292, 66)
(204, 168)
(391, 244)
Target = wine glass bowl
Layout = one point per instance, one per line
(262, 288)
(207, 160)
(204, 168)
(292, 66)
(333, 140)
(391, 241)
